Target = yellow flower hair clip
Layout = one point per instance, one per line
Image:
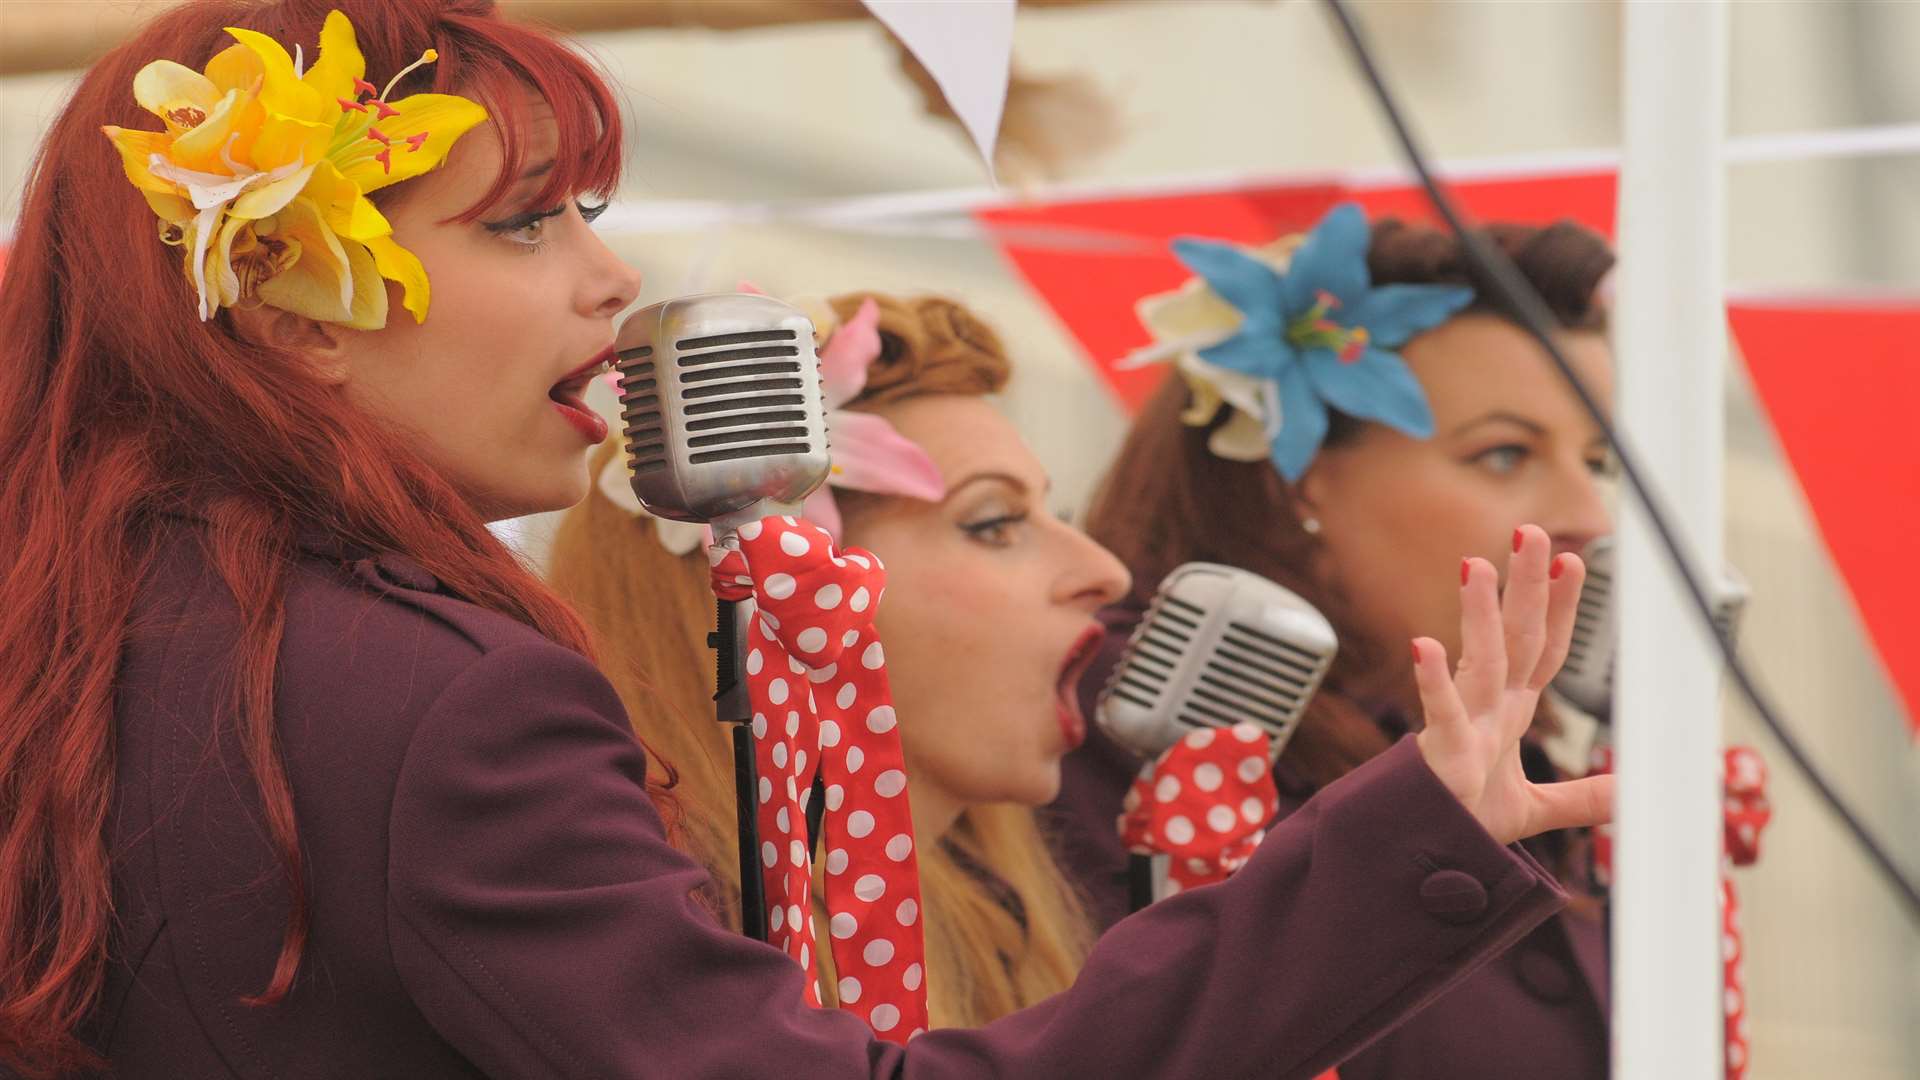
(263, 171)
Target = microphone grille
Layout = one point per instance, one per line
(1269, 679)
(1590, 622)
(1586, 678)
(722, 404)
(640, 407)
(741, 395)
(1217, 646)
(1144, 675)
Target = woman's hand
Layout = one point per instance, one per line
(1511, 647)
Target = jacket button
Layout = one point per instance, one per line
(1453, 896)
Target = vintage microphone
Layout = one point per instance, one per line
(1586, 679)
(1217, 646)
(725, 424)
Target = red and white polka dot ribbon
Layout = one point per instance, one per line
(1205, 802)
(816, 675)
(1747, 813)
(1747, 809)
(1744, 789)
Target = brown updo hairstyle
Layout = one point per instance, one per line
(1242, 513)
(928, 345)
(1004, 928)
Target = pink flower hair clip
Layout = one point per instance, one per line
(868, 453)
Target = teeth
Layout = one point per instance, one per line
(576, 383)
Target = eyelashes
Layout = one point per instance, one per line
(1507, 458)
(526, 228)
(523, 220)
(993, 530)
(1501, 459)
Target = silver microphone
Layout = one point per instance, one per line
(1218, 645)
(1586, 679)
(724, 417)
(725, 424)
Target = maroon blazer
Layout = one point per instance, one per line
(493, 895)
(1540, 1011)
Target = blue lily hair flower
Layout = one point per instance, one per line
(1320, 335)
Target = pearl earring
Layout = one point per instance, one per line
(1310, 526)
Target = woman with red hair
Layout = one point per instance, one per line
(302, 772)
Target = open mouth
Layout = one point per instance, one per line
(1066, 689)
(569, 396)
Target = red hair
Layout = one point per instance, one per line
(117, 404)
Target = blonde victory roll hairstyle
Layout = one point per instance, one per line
(1004, 927)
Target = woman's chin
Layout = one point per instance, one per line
(560, 492)
(1046, 786)
(1033, 786)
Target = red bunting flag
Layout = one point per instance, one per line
(1841, 384)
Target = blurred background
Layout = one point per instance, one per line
(823, 109)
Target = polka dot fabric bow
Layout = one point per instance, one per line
(1744, 789)
(1205, 802)
(816, 675)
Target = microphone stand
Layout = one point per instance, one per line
(730, 706)
(1145, 876)
(1139, 882)
(816, 809)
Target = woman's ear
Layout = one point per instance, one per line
(277, 328)
(1310, 491)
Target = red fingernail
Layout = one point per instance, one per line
(1558, 564)
(1416, 654)
(1466, 570)
(1519, 536)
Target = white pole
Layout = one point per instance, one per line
(1670, 340)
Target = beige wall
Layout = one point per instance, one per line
(1232, 85)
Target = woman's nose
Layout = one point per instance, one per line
(608, 284)
(1094, 577)
(1581, 513)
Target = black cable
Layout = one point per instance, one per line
(1534, 317)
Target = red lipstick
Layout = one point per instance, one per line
(1066, 690)
(567, 397)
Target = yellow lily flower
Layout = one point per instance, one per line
(332, 281)
(375, 142)
(263, 169)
